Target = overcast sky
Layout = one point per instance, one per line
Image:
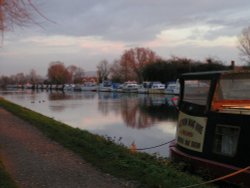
(88, 31)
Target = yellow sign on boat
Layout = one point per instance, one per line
(191, 131)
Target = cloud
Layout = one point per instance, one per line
(196, 35)
(86, 32)
(135, 21)
(67, 44)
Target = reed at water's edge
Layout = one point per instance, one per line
(104, 154)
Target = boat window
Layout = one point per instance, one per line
(234, 89)
(196, 91)
(226, 140)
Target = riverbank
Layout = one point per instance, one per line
(102, 153)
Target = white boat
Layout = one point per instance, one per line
(105, 86)
(89, 86)
(130, 87)
(173, 88)
(157, 88)
(144, 87)
(78, 87)
(69, 87)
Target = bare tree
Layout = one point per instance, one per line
(71, 69)
(78, 75)
(103, 70)
(17, 13)
(115, 73)
(20, 78)
(14, 12)
(33, 76)
(244, 45)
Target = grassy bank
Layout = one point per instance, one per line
(5, 180)
(105, 155)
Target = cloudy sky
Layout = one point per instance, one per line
(84, 32)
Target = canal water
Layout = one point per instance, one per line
(146, 120)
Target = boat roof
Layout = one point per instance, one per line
(209, 74)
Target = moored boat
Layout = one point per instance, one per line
(89, 86)
(105, 86)
(173, 88)
(130, 87)
(69, 87)
(156, 88)
(144, 87)
(213, 125)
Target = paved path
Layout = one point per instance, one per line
(35, 161)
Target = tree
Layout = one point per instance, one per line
(132, 62)
(78, 75)
(17, 13)
(244, 45)
(57, 73)
(33, 77)
(115, 73)
(20, 78)
(103, 70)
(71, 69)
(171, 69)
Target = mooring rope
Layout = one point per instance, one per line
(220, 178)
(133, 146)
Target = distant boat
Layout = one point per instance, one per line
(89, 86)
(157, 88)
(78, 87)
(117, 88)
(105, 86)
(130, 87)
(173, 88)
(144, 87)
(69, 87)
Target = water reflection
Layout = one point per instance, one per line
(138, 111)
(146, 120)
(59, 95)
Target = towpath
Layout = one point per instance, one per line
(34, 161)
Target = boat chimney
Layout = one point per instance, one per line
(232, 64)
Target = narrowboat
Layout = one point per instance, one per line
(213, 128)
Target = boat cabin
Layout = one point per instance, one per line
(213, 129)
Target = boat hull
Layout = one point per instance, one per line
(215, 169)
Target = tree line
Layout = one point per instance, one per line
(136, 64)
(142, 64)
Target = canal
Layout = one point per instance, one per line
(146, 120)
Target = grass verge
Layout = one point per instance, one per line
(111, 158)
(5, 179)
